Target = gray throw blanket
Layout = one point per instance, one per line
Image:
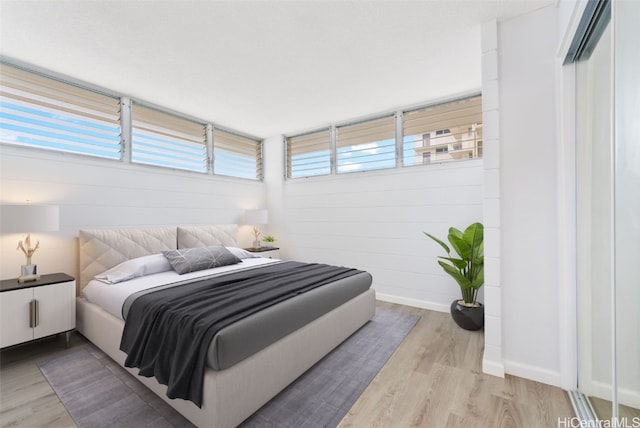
(167, 332)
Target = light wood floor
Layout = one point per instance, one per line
(604, 411)
(434, 379)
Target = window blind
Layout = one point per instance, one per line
(366, 145)
(444, 132)
(163, 139)
(309, 154)
(47, 113)
(236, 156)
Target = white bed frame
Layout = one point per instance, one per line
(231, 395)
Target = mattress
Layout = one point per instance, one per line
(111, 297)
(251, 334)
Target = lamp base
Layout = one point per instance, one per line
(28, 278)
(28, 273)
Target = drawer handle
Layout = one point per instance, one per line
(31, 312)
(34, 319)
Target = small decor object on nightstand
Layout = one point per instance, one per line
(269, 240)
(257, 217)
(29, 270)
(29, 218)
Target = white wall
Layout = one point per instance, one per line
(374, 221)
(530, 308)
(492, 358)
(97, 193)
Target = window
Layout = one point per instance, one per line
(309, 154)
(51, 113)
(236, 156)
(438, 133)
(162, 139)
(366, 145)
(442, 133)
(42, 112)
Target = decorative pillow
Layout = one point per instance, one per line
(200, 258)
(241, 253)
(133, 268)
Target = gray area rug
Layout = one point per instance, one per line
(99, 393)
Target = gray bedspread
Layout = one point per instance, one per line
(239, 313)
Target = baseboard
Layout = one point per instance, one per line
(422, 304)
(492, 368)
(534, 373)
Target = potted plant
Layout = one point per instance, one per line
(269, 240)
(468, 271)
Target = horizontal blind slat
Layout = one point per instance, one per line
(22, 80)
(309, 154)
(24, 129)
(109, 113)
(144, 128)
(158, 120)
(442, 133)
(44, 112)
(443, 116)
(28, 111)
(163, 139)
(99, 103)
(366, 145)
(236, 156)
(366, 132)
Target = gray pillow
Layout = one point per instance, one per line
(200, 258)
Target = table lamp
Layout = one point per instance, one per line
(257, 217)
(26, 219)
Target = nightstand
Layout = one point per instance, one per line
(268, 252)
(35, 309)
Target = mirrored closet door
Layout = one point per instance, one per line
(608, 212)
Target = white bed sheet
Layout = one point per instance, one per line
(111, 297)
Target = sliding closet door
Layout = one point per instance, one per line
(608, 217)
(626, 21)
(594, 147)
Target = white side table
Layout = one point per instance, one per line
(35, 309)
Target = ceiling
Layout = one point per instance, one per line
(261, 67)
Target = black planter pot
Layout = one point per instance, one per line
(468, 317)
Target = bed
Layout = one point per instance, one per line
(234, 387)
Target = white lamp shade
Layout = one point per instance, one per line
(257, 217)
(29, 218)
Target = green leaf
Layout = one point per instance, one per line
(446, 248)
(462, 281)
(478, 279)
(474, 237)
(455, 232)
(462, 248)
(459, 263)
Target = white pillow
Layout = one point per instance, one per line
(133, 268)
(242, 253)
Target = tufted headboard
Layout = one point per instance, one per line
(102, 249)
(203, 236)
